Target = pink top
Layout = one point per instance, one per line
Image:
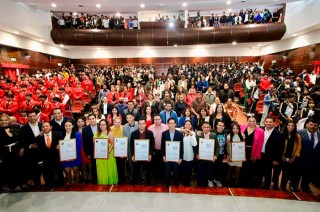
(157, 133)
(257, 141)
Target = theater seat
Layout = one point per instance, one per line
(77, 107)
(68, 114)
(259, 107)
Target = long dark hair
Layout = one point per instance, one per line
(232, 133)
(98, 128)
(73, 132)
(83, 118)
(190, 123)
(286, 133)
(214, 115)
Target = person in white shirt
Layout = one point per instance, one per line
(135, 22)
(105, 22)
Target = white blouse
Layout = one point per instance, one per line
(188, 143)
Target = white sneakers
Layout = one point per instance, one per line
(210, 183)
(218, 183)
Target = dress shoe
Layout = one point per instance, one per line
(293, 189)
(276, 188)
(307, 190)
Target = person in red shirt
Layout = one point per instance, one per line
(46, 106)
(29, 103)
(113, 96)
(56, 102)
(87, 84)
(9, 106)
(42, 88)
(64, 97)
(23, 119)
(77, 93)
(23, 92)
(127, 96)
(41, 117)
(191, 96)
(265, 83)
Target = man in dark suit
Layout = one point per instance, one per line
(49, 154)
(271, 154)
(87, 141)
(142, 133)
(105, 107)
(172, 135)
(309, 155)
(29, 131)
(58, 121)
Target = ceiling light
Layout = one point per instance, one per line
(74, 13)
(171, 24)
(184, 4)
(118, 14)
(142, 5)
(229, 2)
(175, 45)
(16, 32)
(259, 44)
(98, 5)
(53, 5)
(61, 45)
(234, 43)
(293, 35)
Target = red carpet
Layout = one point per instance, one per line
(97, 188)
(262, 193)
(200, 190)
(308, 197)
(140, 188)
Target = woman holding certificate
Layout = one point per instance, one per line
(107, 173)
(72, 164)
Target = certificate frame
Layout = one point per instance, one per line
(206, 149)
(141, 149)
(120, 147)
(101, 148)
(238, 151)
(171, 155)
(68, 150)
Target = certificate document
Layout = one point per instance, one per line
(238, 151)
(206, 149)
(68, 149)
(120, 147)
(101, 148)
(141, 149)
(173, 151)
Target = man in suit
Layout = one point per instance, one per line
(128, 128)
(142, 133)
(87, 141)
(29, 131)
(309, 155)
(172, 135)
(58, 121)
(271, 154)
(205, 167)
(47, 144)
(105, 107)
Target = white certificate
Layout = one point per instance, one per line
(120, 147)
(68, 150)
(206, 149)
(101, 148)
(141, 149)
(238, 151)
(173, 151)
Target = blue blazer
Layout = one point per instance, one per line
(163, 116)
(182, 120)
(178, 136)
(308, 154)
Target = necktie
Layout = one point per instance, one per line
(48, 141)
(312, 140)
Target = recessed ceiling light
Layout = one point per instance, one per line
(175, 45)
(142, 5)
(74, 13)
(234, 43)
(229, 2)
(259, 44)
(161, 5)
(118, 14)
(98, 5)
(184, 4)
(171, 24)
(61, 45)
(53, 5)
(16, 32)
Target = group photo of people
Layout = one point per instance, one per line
(180, 128)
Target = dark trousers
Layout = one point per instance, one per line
(185, 172)
(217, 167)
(265, 170)
(94, 171)
(248, 174)
(145, 166)
(174, 167)
(53, 174)
(158, 165)
(33, 170)
(205, 172)
(121, 167)
(289, 171)
(305, 171)
(11, 170)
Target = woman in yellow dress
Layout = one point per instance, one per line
(106, 168)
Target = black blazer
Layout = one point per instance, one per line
(109, 108)
(57, 127)
(50, 155)
(149, 135)
(87, 140)
(27, 135)
(178, 136)
(275, 146)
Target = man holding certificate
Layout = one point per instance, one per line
(142, 146)
(171, 135)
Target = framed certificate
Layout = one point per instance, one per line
(206, 149)
(173, 151)
(141, 149)
(68, 150)
(238, 151)
(120, 147)
(101, 148)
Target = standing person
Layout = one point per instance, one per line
(74, 164)
(172, 135)
(254, 137)
(290, 155)
(198, 104)
(148, 115)
(128, 128)
(309, 155)
(142, 133)
(180, 105)
(117, 130)
(107, 173)
(220, 115)
(157, 162)
(203, 116)
(234, 136)
(49, 155)
(271, 154)
(115, 114)
(189, 141)
(289, 109)
(226, 93)
(58, 121)
(87, 142)
(268, 99)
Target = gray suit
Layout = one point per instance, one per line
(127, 130)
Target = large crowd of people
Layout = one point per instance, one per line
(189, 103)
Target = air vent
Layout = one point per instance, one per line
(80, 5)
